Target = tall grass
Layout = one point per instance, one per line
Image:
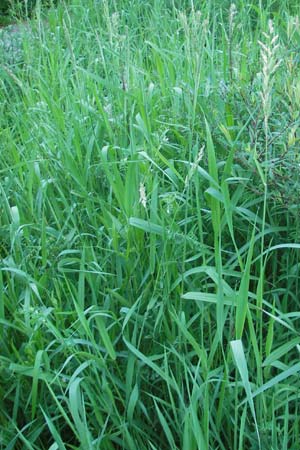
(149, 228)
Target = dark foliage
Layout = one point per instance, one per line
(21, 8)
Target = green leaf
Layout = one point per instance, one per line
(241, 363)
(148, 227)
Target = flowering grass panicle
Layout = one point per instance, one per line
(270, 63)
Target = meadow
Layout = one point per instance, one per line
(150, 226)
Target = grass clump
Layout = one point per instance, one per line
(149, 228)
(15, 10)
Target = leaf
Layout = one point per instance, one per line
(105, 337)
(213, 172)
(132, 402)
(35, 378)
(280, 351)
(242, 298)
(148, 227)
(165, 428)
(241, 363)
(210, 298)
(58, 441)
(146, 360)
(277, 379)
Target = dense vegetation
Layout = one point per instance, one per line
(21, 9)
(149, 227)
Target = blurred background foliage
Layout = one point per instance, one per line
(10, 10)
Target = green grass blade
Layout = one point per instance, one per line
(241, 363)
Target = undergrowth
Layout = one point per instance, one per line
(149, 227)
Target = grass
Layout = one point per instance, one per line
(149, 227)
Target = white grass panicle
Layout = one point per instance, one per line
(270, 63)
(143, 195)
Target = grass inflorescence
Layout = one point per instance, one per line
(149, 227)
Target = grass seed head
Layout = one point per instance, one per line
(143, 195)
